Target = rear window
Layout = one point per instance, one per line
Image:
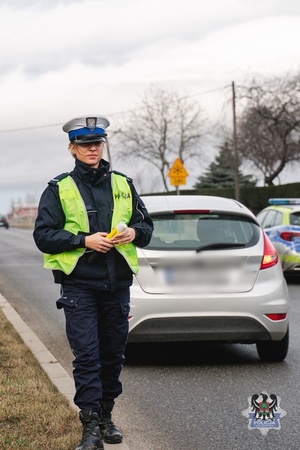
(270, 218)
(189, 231)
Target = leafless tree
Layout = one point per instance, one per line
(162, 128)
(269, 126)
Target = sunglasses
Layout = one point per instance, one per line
(88, 145)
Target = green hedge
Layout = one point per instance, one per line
(254, 198)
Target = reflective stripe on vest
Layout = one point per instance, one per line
(77, 220)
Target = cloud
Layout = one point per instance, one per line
(51, 35)
(60, 59)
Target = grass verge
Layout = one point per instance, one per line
(33, 413)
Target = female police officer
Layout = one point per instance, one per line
(76, 212)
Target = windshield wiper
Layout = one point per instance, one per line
(218, 246)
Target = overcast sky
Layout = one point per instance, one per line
(61, 59)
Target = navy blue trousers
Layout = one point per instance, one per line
(97, 330)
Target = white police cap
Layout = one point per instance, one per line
(87, 129)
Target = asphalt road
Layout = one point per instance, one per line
(187, 397)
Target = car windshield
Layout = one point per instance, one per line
(181, 230)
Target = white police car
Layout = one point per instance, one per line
(281, 222)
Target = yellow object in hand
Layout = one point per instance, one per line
(117, 229)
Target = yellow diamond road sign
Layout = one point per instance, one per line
(177, 173)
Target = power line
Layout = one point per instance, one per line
(30, 128)
(12, 130)
(207, 92)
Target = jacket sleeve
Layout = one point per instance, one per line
(140, 220)
(48, 234)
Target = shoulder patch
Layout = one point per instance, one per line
(58, 178)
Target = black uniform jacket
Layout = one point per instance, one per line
(108, 271)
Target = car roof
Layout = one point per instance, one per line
(284, 208)
(159, 203)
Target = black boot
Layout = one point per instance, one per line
(91, 437)
(110, 433)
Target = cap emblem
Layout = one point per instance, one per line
(91, 123)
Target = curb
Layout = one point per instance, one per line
(57, 374)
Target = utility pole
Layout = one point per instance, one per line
(236, 156)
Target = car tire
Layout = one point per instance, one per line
(273, 351)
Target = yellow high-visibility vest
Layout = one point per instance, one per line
(77, 220)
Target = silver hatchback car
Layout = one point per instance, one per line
(209, 273)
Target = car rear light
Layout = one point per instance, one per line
(289, 235)
(275, 317)
(270, 257)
